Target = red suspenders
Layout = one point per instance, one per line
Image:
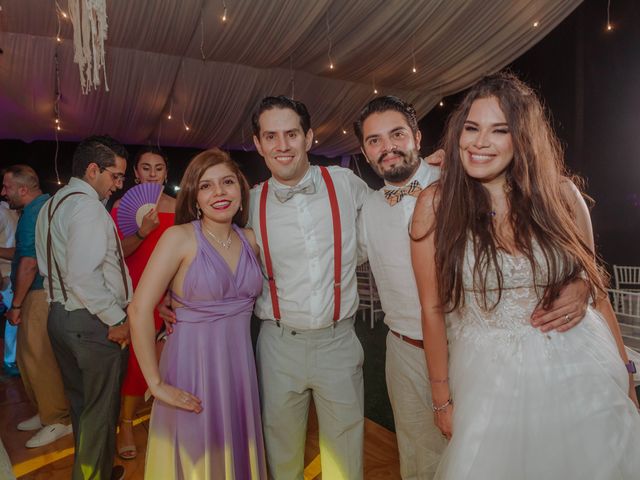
(337, 246)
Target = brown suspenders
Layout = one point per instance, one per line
(51, 258)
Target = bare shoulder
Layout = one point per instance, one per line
(572, 194)
(178, 237)
(251, 238)
(428, 198)
(425, 212)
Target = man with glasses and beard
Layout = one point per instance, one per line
(89, 288)
(387, 129)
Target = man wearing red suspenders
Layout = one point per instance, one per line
(305, 220)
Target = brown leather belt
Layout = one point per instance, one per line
(410, 341)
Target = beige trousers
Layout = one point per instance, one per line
(419, 441)
(292, 367)
(37, 363)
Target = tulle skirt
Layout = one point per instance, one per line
(534, 406)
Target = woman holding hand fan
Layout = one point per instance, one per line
(142, 216)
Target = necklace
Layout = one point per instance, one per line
(224, 244)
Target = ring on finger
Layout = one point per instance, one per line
(567, 318)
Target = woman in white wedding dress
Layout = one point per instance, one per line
(500, 234)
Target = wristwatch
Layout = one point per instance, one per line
(631, 367)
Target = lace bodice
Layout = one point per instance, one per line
(510, 319)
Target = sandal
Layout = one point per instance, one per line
(127, 452)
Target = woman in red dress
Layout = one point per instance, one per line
(150, 166)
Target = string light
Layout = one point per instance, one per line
(224, 11)
(331, 65)
(60, 11)
(184, 123)
(535, 24)
(413, 56)
(373, 82)
(58, 39)
(56, 111)
(292, 79)
(441, 103)
(344, 131)
(609, 24)
(315, 141)
(169, 116)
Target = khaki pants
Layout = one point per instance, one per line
(293, 366)
(420, 443)
(37, 363)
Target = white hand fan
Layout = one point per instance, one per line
(135, 204)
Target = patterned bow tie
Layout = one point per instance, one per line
(394, 195)
(287, 194)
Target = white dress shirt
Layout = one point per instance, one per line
(8, 223)
(86, 248)
(384, 235)
(300, 235)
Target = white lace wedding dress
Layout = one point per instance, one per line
(535, 406)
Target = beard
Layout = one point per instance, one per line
(403, 170)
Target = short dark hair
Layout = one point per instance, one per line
(383, 104)
(99, 149)
(153, 150)
(282, 102)
(23, 175)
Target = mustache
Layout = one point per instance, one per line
(399, 153)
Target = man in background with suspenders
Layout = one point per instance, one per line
(79, 254)
(304, 218)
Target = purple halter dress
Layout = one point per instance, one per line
(209, 354)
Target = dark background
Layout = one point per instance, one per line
(589, 79)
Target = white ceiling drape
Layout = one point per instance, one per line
(155, 63)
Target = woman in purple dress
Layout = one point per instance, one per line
(205, 421)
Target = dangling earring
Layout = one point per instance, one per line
(137, 180)
(240, 207)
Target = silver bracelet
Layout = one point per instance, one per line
(442, 407)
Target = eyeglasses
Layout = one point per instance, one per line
(116, 177)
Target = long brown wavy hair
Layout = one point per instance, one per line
(539, 209)
(186, 201)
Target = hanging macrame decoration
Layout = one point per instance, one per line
(89, 19)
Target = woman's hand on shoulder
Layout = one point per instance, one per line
(251, 238)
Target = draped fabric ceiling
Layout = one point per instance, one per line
(178, 57)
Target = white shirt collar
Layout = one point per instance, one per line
(281, 186)
(79, 184)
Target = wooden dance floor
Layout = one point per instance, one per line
(54, 461)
